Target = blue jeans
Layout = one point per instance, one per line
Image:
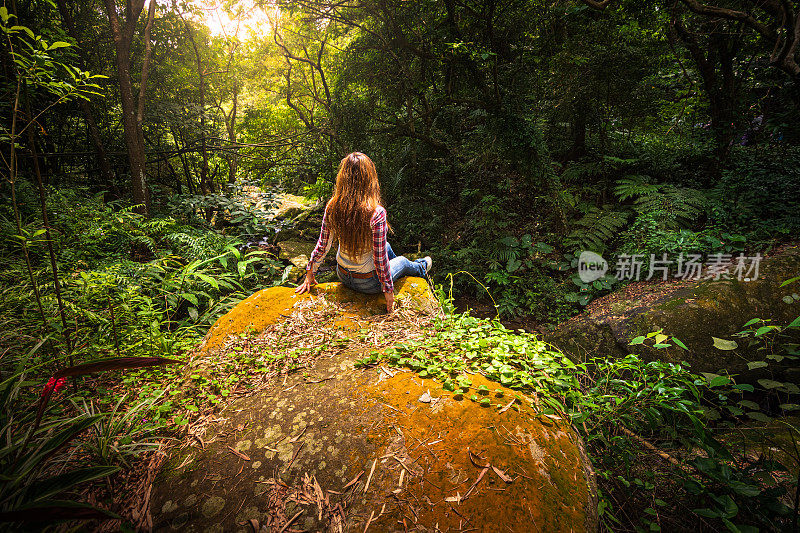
(399, 266)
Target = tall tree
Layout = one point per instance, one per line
(123, 30)
(86, 108)
(206, 182)
(777, 22)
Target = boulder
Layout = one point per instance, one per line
(303, 230)
(289, 206)
(340, 448)
(296, 252)
(693, 311)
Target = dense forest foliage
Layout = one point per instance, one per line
(144, 143)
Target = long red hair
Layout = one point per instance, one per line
(356, 195)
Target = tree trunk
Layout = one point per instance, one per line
(131, 133)
(132, 127)
(230, 124)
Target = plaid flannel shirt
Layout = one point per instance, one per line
(380, 257)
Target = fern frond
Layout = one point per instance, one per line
(678, 207)
(635, 185)
(596, 229)
(579, 171)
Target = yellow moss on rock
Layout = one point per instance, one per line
(335, 420)
(267, 306)
(552, 487)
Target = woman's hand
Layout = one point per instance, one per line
(389, 301)
(307, 283)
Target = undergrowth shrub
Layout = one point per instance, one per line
(756, 194)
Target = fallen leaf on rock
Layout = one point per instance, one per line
(507, 407)
(297, 437)
(372, 471)
(454, 499)
(234, 451)
(502, 475)
(353, 481)
(480, 477)
(475, 458)
(485, 465)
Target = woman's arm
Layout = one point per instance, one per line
(317, 256)
(380, 256)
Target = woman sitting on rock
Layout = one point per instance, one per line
(355, 216)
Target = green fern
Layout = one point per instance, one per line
(677, 207)
(596, 229)
(674, 207)
(635, 185)
(195, 246)
(581, 171)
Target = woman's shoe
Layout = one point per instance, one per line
(428, 263)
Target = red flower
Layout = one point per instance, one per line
(55, 385)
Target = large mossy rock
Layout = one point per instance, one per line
(694, 312)
(347, 449)
(290, 206)
(297, 253)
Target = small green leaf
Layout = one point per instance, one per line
(748, 404)
(756, 364)
(722, 344)
(788, 281)
(637, 340)
(764, 329)
(759, 416)
(679, 343)
(719, 381)
(58, 44)
(770, 383)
